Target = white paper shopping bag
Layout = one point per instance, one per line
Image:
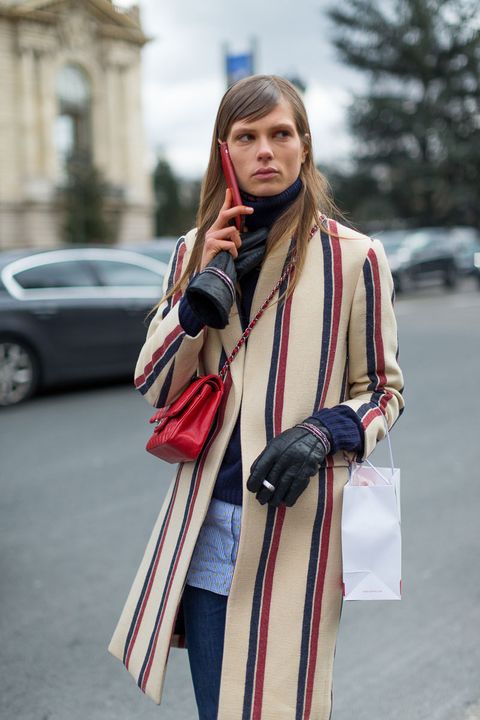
(371, 534)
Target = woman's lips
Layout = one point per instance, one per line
(265, 174)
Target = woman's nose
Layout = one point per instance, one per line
(264, 150)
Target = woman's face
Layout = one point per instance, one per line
(267, 154)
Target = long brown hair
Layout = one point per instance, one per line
(252, 98)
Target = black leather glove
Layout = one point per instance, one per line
(211, 293)
(288, 462)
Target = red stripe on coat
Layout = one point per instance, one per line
(171, 337)
(178, 272)
(320, 582)
(370, 416)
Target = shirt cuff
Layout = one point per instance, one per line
(189, 320)
(344, 426)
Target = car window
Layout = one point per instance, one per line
(420, 239)
(125, 274)
(159, 253)
(417, 240)
(465, 237)
(67, 273)
(392, 239)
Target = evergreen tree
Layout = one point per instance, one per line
(190, 201)
(418, 125)
(168, 206)
(357, 195)
(84, 198)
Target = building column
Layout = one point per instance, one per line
(110, 169)
(28, 116)
(100, 125)
(47, 115)
(123, 126)
(115, 122)
(138, 173)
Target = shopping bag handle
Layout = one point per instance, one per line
(389, 444)
(390, 453)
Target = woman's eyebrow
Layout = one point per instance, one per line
(277, 126)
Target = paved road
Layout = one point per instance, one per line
(79, 497)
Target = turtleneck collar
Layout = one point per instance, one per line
(268, 209)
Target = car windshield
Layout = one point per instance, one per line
(423, 238)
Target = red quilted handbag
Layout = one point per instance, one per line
(183, 427)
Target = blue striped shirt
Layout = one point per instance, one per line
(215, 553)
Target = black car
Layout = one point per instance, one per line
(430, 253)
(72, 314)
(160, 248)
(476, 267)
(465, 243)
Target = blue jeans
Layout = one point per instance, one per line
(204, 614)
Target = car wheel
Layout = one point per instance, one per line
(19, 371)
(450, 276)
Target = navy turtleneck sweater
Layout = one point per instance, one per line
(342, 422)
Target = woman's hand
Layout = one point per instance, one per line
(288, 462)
(221, 235)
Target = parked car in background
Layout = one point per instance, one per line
(465, 243)
(441, 254)
(72, 314)
(392, 242)
(476, 269)
(160, 248)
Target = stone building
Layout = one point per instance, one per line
(69, 81)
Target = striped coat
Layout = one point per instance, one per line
(334, 340)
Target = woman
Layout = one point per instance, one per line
(245, 556)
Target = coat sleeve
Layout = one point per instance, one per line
(169, 357)
(374, 376)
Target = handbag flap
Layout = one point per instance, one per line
(214, 381)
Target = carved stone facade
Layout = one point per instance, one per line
(101, 44)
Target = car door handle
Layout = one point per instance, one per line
(45, 313)
(136, 307)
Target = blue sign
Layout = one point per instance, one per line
(238, 67)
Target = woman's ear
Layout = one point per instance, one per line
(306, 143)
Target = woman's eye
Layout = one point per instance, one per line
(283, 133)
(244, 137)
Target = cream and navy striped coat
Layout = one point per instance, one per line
(334, 340)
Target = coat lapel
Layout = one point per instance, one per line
(269, 275)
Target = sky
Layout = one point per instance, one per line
(184, 80)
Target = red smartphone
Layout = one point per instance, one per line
(231, 181)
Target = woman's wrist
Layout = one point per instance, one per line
(344, 426)
(320, 431)
(189, 320)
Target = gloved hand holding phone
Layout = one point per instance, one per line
(227, 255)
